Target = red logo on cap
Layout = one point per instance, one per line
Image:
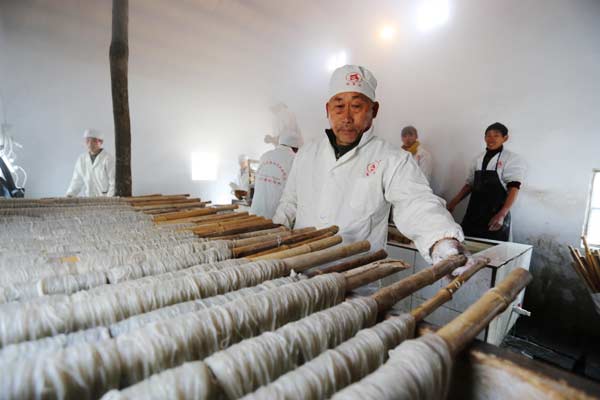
(353, 79)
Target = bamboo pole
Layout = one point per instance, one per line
(580, 269)
(271, 236)
(152, 197)
(461, 330)
(303, 262)
(217, 226)
(242, 229)
(168, 208)
(205, 219)
(279, 242)
(392, 294)
(594, 267)
(256, 233)
(445, 293)
(351, 263)
(159, 202)
(193, 213)
(306, 248)
(370, 273)
(291, 247)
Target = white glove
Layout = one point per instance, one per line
(451, 247)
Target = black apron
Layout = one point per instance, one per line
(487, 199)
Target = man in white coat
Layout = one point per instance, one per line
(351, 178)
(410, 143)
(272, 175)
(94, 173)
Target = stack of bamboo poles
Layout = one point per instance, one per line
(587, 265)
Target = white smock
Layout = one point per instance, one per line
(424, 161)
(271, 177)
(356, 192)
(97, 179)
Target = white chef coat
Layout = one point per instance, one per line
(97, 179)
(356, 192)
(424, 161)
(271, 177)
(511, 167)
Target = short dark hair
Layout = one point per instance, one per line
(409, 130)
(497, 126)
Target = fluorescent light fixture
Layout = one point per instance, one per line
(432, 14)
(337, 60)
(204, 166)
(387, 32)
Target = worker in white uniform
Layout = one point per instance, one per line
(94, 173)
(284, 123)
(350, 177)
(272, 175)
(241, 187)
(410, 143)
(493, 182)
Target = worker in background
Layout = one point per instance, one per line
(94, 173)
(241, 187)
(284, 123)
(494, 180)
(272, 175)
(410, 143)
(350, 177)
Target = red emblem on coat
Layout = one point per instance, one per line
(372, 167)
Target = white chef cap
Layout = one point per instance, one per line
(93, 133)
(353, 78)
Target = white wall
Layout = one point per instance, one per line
(202, 75)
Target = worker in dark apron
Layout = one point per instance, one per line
(494, 183)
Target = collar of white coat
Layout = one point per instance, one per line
(364, 139)
(98, 159)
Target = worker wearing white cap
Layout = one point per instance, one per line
(351, 178)
(284, 123)
(272, 175)
(94, 173)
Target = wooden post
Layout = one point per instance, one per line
(119, 57)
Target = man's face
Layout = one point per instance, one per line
(408, 139)
(350, 114)
(93, 145)
(494, 139)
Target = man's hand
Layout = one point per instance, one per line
(497, 221)
(451, 247)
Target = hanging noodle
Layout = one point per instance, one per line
(417, 369)
(242, 368)
(337, 368)
(53, 343)
(90, 369)
(40, 320)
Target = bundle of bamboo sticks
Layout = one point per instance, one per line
(587, 265)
